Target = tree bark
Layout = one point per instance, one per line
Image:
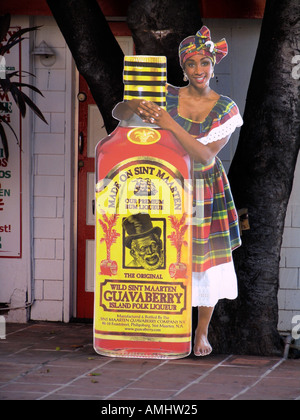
(158, 27)
(97, 54)
(261, 177)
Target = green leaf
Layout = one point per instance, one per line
(2, 121)
(34, 108)
(16, 39)
(18, 98)
(29, 86)
(23, 31)
(9, 45)
(17, 73)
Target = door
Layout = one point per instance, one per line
(90, 131)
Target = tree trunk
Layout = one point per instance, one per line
(261, 177)
(97, 54)
(158, 27)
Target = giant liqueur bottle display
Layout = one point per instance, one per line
(143, 230)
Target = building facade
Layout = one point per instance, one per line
(46, 222)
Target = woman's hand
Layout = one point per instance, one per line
(154, 114)
(148, 111)
(125, 110)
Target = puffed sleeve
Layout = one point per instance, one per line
(224, 119)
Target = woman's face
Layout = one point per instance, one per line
(199, 70)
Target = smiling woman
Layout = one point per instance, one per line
(198, 70)
(195, 67)
(202, 121)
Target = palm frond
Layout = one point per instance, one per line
(23, 31)
(2, 121)
(4, 141)
(18, 98)
(14, 88)
(16, 38)
(17, 73)
(35, 89)
(5, 48)
(34, 108)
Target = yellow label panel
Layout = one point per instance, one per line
(141, 296)
(143, 261)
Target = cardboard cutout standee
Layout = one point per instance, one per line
(143, 230)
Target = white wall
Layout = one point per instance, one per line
(53, 158)
(289, 293)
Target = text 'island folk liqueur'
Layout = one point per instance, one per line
(143, 230)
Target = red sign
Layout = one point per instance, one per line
(11, 169)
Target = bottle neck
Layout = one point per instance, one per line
(136, 121)
(145, 78)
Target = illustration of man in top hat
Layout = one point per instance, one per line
(143, 240)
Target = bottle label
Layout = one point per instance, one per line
(143, 261)
(143, 136)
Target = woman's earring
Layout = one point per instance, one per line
(213, 75)
(185, 78)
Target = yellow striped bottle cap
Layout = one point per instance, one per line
(145, 77)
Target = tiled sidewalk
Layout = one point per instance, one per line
(52, 361)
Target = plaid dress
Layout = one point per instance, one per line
(215, 225)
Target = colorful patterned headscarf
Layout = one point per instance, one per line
(202, 43)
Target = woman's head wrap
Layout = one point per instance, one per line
(201, 43)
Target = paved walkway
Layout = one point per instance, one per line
(53, 361)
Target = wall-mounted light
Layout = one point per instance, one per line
(81, 96)
(47, 55)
